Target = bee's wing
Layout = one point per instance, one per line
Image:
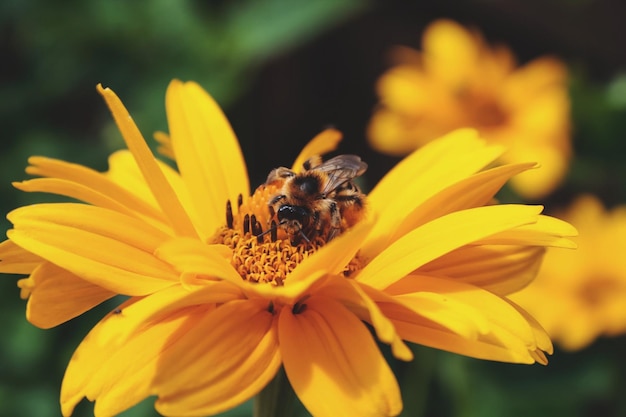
(340, 169)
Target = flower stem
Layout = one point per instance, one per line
(276, 399)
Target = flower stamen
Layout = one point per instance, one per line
(263, 252)
(299, 307)
(229, 214)
(261, 255)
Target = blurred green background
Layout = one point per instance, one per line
(283, 70)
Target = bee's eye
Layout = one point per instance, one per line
(288, 212)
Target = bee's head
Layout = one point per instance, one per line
(289, 213)
(294, 220)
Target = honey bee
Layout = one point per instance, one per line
(321, 201)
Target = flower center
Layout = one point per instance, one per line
(262, 251)
(481, 108)
(599, 291)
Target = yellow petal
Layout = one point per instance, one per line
(393, 134)
(192, 256)
(546, 113)
(126, 378)
(126, 173)
(207, 152)
(161, 303)
(406, 89)
(547, 231)
(541, 337)
(461, 318)
(165, 145)
(15, 260)
(153, 175)
(384, 329)
(455, 145)
(441, 236)
(448, 312)
(329, 354)
(325, 141)
(117, 372)
(501, 269)
(58, 296)
(82, 193)
(426, 334)
(526, 82)
(101, 246)
(462, 308)
(422, 174)
(351, 294)
(553, 167)
(95, 367)
(475, 191)
(450, 52)
(227, 357)
(93, 187)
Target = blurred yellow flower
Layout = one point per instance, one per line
(215, 309)
(457, 80)
(581, 295)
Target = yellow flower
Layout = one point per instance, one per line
(215, 310)
(580, 296)
(459, 81)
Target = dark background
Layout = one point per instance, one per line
(282, 72)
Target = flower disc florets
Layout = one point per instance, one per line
(263, 253)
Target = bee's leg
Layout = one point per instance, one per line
(316, 226)
(279, 174)
(335, 221)
(351, 206)
(348, 199)
(301, 235)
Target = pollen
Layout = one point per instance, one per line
(262, 253)
(269, 262)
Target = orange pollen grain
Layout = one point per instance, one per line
(268, 258)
